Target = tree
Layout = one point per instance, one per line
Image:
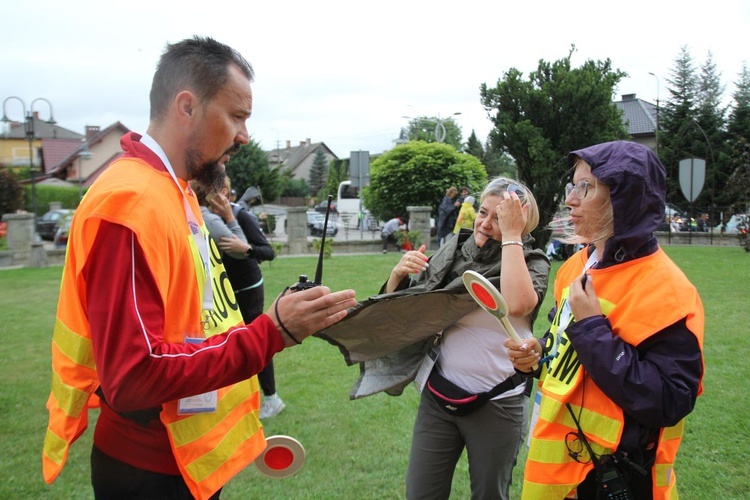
(293, 187)
(11, 193)
(738, 128)
(499, 163)
(417, 174)
(249, 167)
(424, 128)
(678, 134)
(474, 147)
(738, 124)
(714, 147)
(540, 120)
(318, 172)
(338, 171)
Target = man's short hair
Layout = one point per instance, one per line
(198, 64)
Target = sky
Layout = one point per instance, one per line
(346, 72)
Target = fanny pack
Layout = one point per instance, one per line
(457, 401)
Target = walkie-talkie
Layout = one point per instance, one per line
(304, 283)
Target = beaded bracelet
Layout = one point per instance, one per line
(506, 243)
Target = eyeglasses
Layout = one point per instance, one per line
(581, 189)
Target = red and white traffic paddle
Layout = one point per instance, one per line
(490, 299)
(283, 457)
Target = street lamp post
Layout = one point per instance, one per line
(440, 131)
(657, 111)
(29, 132)
(440, 128)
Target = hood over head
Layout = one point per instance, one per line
(637, 185)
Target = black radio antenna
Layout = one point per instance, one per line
(319, 269)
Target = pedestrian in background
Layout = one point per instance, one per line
(466, 216)
(447, 215)
(388, 233)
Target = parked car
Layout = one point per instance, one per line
(48, 224)
(736, 224)
(61, 235)
(321, 207)
(315, 223)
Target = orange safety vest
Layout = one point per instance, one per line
(639, 298)
(210, 448)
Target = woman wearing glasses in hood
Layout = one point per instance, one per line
(622, 363)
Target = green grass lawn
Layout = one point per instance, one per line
(359, 449)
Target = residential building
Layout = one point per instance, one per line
(641, 119)
(84, 163)
(298, 159)
(14, 145)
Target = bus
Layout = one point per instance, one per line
(349, 207)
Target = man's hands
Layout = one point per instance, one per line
(308, 311)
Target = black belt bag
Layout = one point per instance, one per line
(456, 401)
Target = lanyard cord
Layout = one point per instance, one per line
(566, 315)
(192, 221)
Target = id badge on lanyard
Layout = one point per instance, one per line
(200, 403)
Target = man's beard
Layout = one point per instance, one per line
(211, 174)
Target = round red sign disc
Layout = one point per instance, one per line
(283, 457)
(483, 295)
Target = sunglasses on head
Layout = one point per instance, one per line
(515, 188)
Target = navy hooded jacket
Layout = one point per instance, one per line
(661, 385)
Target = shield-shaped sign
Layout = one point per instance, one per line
(692, 176)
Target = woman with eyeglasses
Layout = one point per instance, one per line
(622, 364)
(471, 358)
